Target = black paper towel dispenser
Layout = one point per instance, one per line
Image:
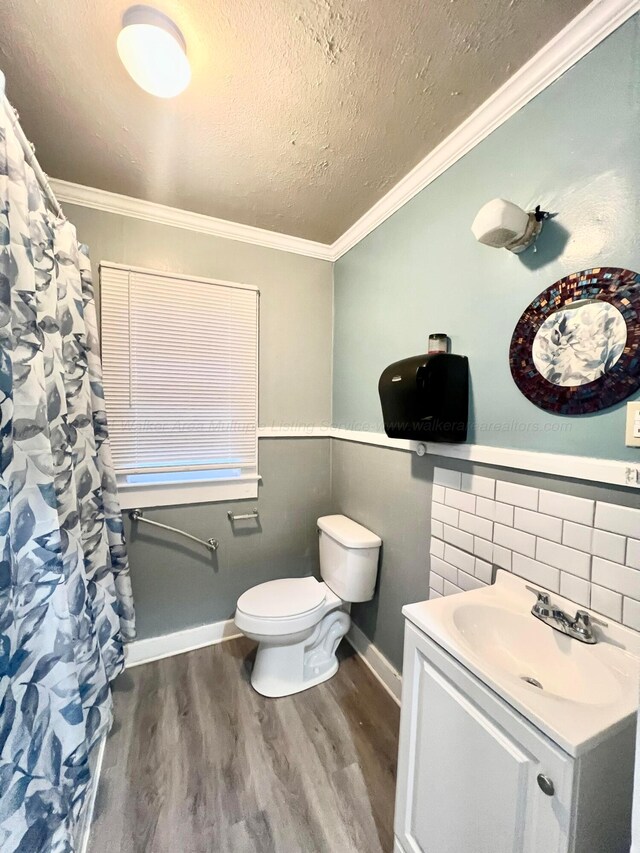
(426, 397)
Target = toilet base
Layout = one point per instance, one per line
(273, 688)
(283, 667)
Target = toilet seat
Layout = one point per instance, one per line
(283, 606)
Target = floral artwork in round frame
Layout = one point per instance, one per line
(576, 348)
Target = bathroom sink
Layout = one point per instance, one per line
(528, 650)
(573, 691)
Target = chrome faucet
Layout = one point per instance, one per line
(580, 627)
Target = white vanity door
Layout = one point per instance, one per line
(468, 766)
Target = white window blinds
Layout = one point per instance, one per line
(180, 362)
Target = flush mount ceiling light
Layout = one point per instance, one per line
(153, 51)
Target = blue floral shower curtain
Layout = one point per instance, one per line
(65, 594)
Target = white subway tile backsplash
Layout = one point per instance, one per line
(437, 547)
(467, 582)
(434, 594)
(633, 553)
(446, 514)
(607, 602)
(483, 549)
(631, 613)
(483, 570)
(458, 538)
(451, 588)
(477, 485)
(476, 525)
(502, 557)
(515, 540)
(460, 500)
(447, 571)
(512, 493)
(618, 519)
(587, 551)
(577, 536)
(459, 559)
(504, 514)
(486, 508)
(494, 511)
(567, 559)
(619, 578)
(437, 493)
(575, 589)
(539, 524)
(609, 545)
(436, 582)
(446, 477)
(536, 572)
(566, 506)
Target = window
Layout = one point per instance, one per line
(180, 362)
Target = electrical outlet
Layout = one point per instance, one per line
(632, 432)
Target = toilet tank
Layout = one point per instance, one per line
(348, 557)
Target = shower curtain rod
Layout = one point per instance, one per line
(30, 155)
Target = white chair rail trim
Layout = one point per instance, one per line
(617, 472)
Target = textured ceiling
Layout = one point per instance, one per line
(300, 114)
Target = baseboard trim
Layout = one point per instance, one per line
(90, 805)
(383, 670)
(167, 645)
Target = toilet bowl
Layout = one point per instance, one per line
(298, 622)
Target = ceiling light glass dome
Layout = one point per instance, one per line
(153, 51)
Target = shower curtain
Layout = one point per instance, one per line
(65, 594)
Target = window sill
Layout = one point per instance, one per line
(133, 495)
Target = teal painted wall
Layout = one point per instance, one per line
(575, 150)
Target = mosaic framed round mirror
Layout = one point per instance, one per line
(576, 348)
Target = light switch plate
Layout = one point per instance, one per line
(632, 431)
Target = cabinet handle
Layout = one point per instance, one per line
(546, 785)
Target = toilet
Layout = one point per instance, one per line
(299, 622)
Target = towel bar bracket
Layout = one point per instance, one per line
(244, 516)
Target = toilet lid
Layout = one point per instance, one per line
(282, 598)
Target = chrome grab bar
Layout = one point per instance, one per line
(137, 515)
(244, 516)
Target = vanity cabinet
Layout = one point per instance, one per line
(474, 776)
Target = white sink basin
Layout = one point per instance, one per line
(573, 691)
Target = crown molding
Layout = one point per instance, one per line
(164, 215)
(582, 34)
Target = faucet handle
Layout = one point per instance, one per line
(586, 619)
(543, 597)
